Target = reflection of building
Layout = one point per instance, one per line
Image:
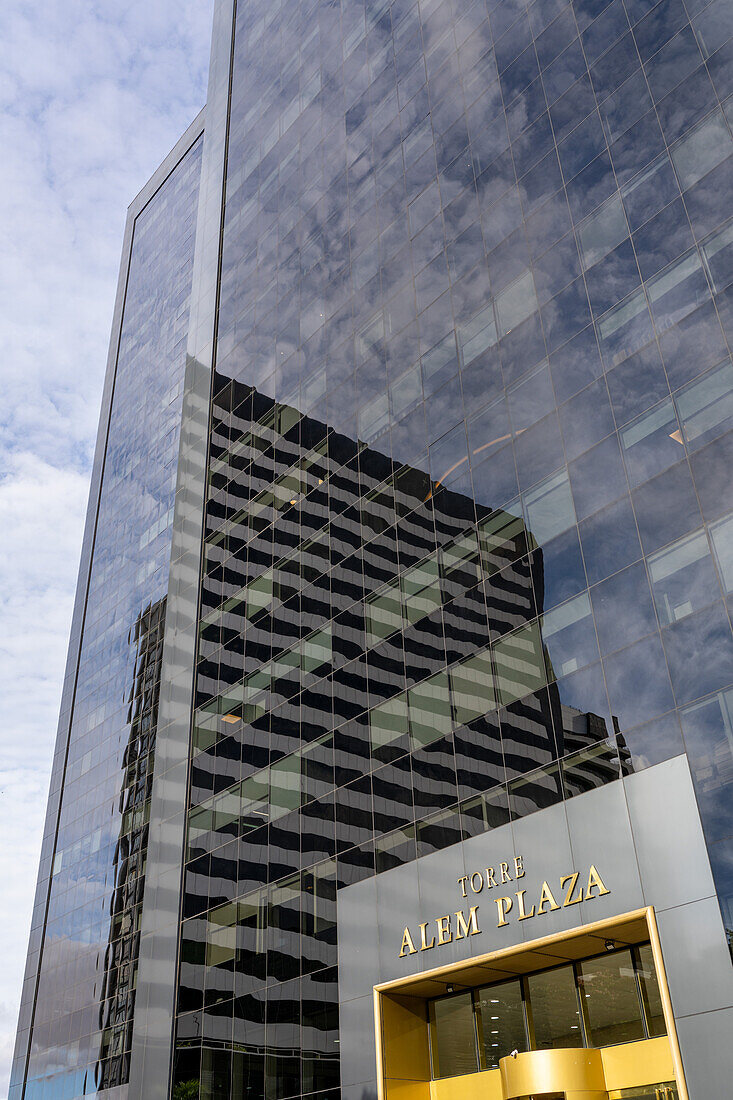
(75, 1032)
(118, 989)
(442, 730)
(438, 505)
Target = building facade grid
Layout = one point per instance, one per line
(466, 547)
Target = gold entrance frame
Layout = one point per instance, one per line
(400, 1020)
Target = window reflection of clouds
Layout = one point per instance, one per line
(427, 212)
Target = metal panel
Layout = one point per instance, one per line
(627, 829)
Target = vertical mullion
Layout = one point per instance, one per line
(430, 1041)
(583, 1008)
(476, 1013)
(640, 992)
(528, 1018)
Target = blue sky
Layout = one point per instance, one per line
(92, 97)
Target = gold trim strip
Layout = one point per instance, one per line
(651, 919)
(379, 1042)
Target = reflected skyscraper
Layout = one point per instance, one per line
(405, 587)
(118, 989)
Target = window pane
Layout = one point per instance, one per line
(421, 590)
(706, 406)
(316, 650)
(535, 791)
(520, 664)
(438, 831)
(516, 303)
(503, 538)
(707, 727)
(374, 418)
(602, 231)
(452, 1036)
(704, 147)
(683, 578)
(260, 593)
(531, 399)
(608, 984)
(624, 329)
(677, 290)
(570, 636)
(472, 688)
(722, 533)
(370, 339)
(717, 250)
(477, 335)
(395, 849)
(650, 993)
(285, 786)
(221, 936)
(501, 1019)
(406, 392)
(488, 430)
(252, 921)
(550, 508)
(651, 443)
(429, 704)
(439, 364)
(448, 457)
(383, 615)
(459, 561)
(388, 722)
(487, 811)
(555, 1013)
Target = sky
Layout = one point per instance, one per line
(93, 94)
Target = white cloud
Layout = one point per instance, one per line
(92, 97)
(40, 510)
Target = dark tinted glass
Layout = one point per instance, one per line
(502, 1023)
(608, 986)
(556, 1020)
(453, 1036)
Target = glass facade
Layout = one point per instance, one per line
(84, 1001)
(468, 528)
(599, 1002)
(467, 468)
(373, 684)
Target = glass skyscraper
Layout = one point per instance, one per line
(403, 620)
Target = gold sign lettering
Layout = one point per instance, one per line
(423, 945)
(467, 928)
(546, 898)
(408, 947)
(444, 932)
(489, 878)
(595, 880)
(503, 906)
(523, 914)
(569, 899)
(448, 931)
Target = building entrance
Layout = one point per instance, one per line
(580, 1016)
